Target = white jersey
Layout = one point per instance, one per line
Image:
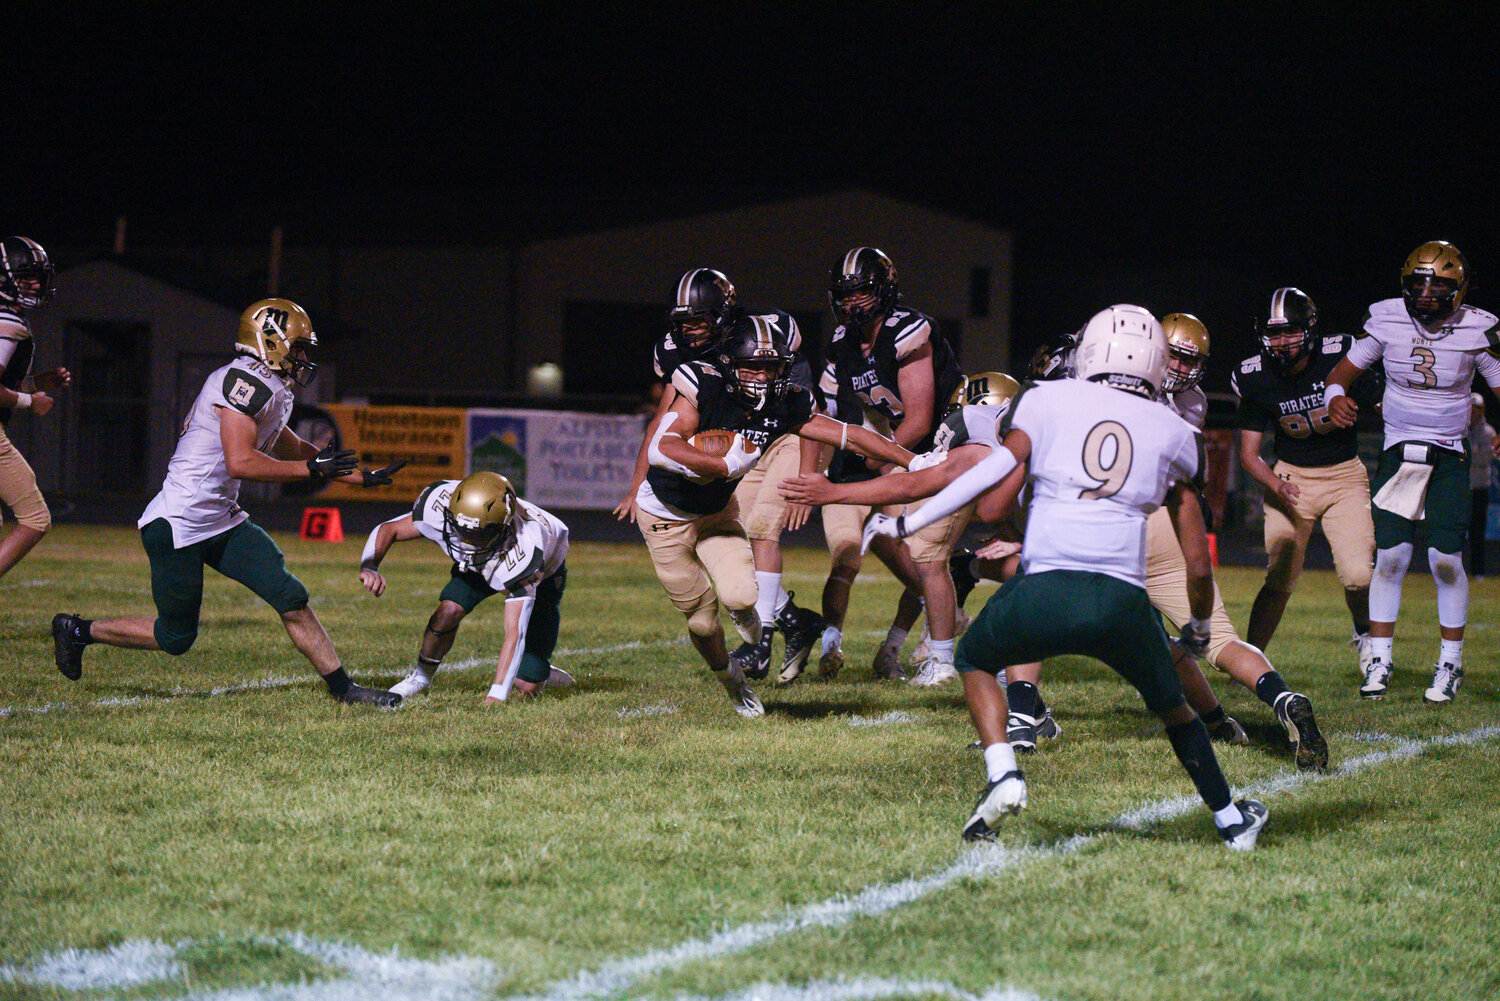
(1428, 376)
(199, 498)
(538, 552)
(1101, 461)
(1191, 405)
(976, 424)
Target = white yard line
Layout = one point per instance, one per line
(613, 978)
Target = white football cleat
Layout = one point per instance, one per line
(1377, 677)
(935, 672)
(1241, 837)
(747, 703)
(1001, 798)
(1445, 681)
(414, 683)
(1361, 642)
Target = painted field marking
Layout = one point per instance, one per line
(614, 977)
(137, 962)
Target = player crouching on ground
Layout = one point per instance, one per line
(236, 430)
(687, 508)
(1101, 454)
(499, 544)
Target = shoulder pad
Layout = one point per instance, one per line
(420, 506)
(244, 392)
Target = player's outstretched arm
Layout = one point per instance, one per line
(517, 619)
(824, 429)
(897, 488)
(377, 545)
(237, 434)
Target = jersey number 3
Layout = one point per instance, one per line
(1107, 453)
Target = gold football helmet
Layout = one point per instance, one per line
(1187, 351)
(1434, 280)
(986, 388)
(278, 332)
(480, 519)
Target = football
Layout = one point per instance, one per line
(714, 443)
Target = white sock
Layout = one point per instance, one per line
(782, 596)
(999, 759)
(765, 600)
(1228, 817)
(895, 637)
(1381, 648)
(833, 638)
(941, 650)
(1451, 652)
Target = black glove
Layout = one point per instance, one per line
(1194, 638)
(380, 477)
(331, 462)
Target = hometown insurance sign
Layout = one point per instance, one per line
(558, 459)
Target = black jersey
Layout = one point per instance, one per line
(669, 354)
(872, 377)
(704, 386)
(845, 466)
(1292, 407)
(15, 331)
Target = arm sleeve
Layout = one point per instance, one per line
(912, 336)
(1365, 352)
(980, 477)
(1489, 367)
(511, 669)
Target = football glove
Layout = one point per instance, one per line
(883, 524)
(380, 477)
(1194, 638)
(740, 457)
(923, 460)
(331, 462)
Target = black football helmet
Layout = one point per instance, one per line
(27, 278)
(863, 270)
(705, 295)
(1054, 359)
(756, 342)
(1292, 312)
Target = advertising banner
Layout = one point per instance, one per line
(558, 459)
(431, 439)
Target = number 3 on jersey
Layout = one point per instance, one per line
(1107, 453)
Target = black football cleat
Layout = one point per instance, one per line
(1295, 714)
(1241, 837)
(801, 627)
(360, 695)
(67, 645)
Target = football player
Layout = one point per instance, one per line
(499, 544)
(843, 529)
(706, 303)
(236, 430)
(688, 505)
(1431, 344)
(1318, 477)
(27, 281)
(899, 367)
(1101, 454)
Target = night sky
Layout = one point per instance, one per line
(1185, 163)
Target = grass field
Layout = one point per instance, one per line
(214, 826)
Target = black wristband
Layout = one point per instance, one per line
(371, 565)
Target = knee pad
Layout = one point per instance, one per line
(175, 638)
(1391, 564)
(1452, 588)
(289, 596)
(36, 519)
(703, 618)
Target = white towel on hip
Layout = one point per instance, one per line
(1405, 494)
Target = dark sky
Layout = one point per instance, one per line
(1252, 140)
